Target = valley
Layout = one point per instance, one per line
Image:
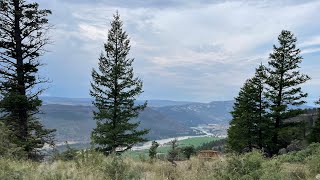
(166, 119)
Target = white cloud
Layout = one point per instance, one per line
(182, 44)
(310, 50)
(312, 41)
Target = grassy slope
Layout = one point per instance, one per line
(94, 166)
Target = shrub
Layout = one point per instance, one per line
(90, 159)
(173, 152)
(300, 156)
(247, 166)
(67, 155)
(188, 151)
(313, 163)
(271, 170)
(117, 169)
(153, 149)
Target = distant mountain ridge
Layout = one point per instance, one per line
(88, 101)
(72, 117)
(216, 112)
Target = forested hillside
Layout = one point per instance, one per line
(73, 117)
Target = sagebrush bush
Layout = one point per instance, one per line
(313, 163)
(301, 156)
(246, 166)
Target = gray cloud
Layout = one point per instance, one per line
(187, 50)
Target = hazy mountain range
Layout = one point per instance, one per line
(72, 117)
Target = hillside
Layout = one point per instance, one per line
(216, 112)
(75, 123)
(72, 117)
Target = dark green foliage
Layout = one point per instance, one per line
(7, 148)
(188, 151)
(314, 135)
(249, 127)
(283, 86)
(217, 145)
(23, 28)
(153, 149)
(173, 152)
(114, 89)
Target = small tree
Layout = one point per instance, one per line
(173, 152)
(153, 149)
(241, 135)
(23, 35)
(284, 80)
(188, 151)
(114, 89)
(249, 127)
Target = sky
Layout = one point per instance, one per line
(195, 50)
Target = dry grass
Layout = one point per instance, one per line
(97, 167)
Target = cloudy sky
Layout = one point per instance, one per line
(195, 50)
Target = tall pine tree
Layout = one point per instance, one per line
(114, 89)
(241, 135)
(283, 87)
(23, 29)
(262, 122)
(249, 126)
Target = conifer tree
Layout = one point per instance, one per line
(283, 85)
(249, 126)
(262, 122)
(314, 135)
(7, 148)
(153, 149)
(241, 137)
(23, 35)
(114, 89)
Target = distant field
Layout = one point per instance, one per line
(196, 142)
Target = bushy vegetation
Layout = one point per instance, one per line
(217, 145)
(90, 164)
(8, 148)
(153, 150)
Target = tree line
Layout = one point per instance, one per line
(268, 99)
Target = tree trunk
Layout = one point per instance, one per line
(21, 89)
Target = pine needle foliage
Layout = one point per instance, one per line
(284, 85)
(114, 89)
(249, 128)
(23, 36)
